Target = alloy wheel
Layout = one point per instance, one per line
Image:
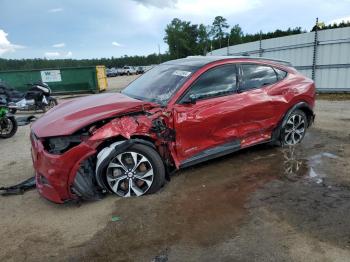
(6, 126)
(50, 105)
(294, 130)
(130, 174)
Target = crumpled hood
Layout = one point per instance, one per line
(70, 116)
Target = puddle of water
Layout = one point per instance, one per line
(204, 205)
(201, 206)
(317, 203)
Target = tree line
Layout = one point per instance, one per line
(183, 39)
(27, 64)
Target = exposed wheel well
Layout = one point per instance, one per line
(137, 138)
(144, 140)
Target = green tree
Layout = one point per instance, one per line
(203, 39)
(218, 29)
(236, 35)
(181, 37)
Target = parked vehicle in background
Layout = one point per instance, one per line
(120, 71)
(139, 70)
(8, 123)
(176, 115)
(111, 72)
(129, 70)
(8, 93)
(38, 97)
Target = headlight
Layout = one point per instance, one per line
(59, 145)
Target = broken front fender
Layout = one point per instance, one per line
(125, 126)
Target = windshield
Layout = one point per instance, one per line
(159, 84)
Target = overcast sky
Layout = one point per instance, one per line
(92, 28)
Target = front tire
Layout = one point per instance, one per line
(136, 172)
(294, 129)
(8, 127)
(13, 110)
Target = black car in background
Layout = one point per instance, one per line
(140, 70)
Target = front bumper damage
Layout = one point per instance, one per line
(55, 173)
(77, 173)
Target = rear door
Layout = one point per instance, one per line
(259, 121)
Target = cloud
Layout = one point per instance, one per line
(52, 54)
(116, 44)
(338, 20)
(55, 55)
(59, 45)
(196, 11)
(213, 8)
(157, 3)
(5, 44)
(55, 10)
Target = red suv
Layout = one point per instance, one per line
(178, 114)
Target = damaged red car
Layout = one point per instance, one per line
(176, 115)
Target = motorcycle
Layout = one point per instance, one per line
(8, 123)
(38, 97)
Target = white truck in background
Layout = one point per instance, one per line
(128, 70)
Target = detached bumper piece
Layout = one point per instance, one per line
(20, 188)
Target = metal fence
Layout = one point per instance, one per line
(322, 55)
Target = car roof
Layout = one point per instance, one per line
(199, 61)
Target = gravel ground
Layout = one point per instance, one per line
(260, 204)
(116, 84)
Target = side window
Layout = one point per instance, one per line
(217, 81)
(280, 74)
(256, 76)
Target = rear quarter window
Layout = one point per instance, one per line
(280, 73)
(256, 76)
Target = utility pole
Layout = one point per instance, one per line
(228, 44)
(159, 57)
(177, 48)
(314, 58)
(260, 44)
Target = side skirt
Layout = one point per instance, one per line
(212, 153)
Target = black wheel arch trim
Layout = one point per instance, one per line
(276, 133)
(116, 150)
(143, 141)
(300, 105)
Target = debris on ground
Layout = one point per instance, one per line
(20, 188)
(115, 218)
(25, 120)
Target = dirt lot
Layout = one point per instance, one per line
(116, 84)
(260, 204)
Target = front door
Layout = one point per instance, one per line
(206, 115)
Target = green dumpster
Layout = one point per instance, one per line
(61, 81)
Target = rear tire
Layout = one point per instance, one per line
(52, 103)
(294, 128)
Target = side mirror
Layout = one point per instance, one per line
(190, 100)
